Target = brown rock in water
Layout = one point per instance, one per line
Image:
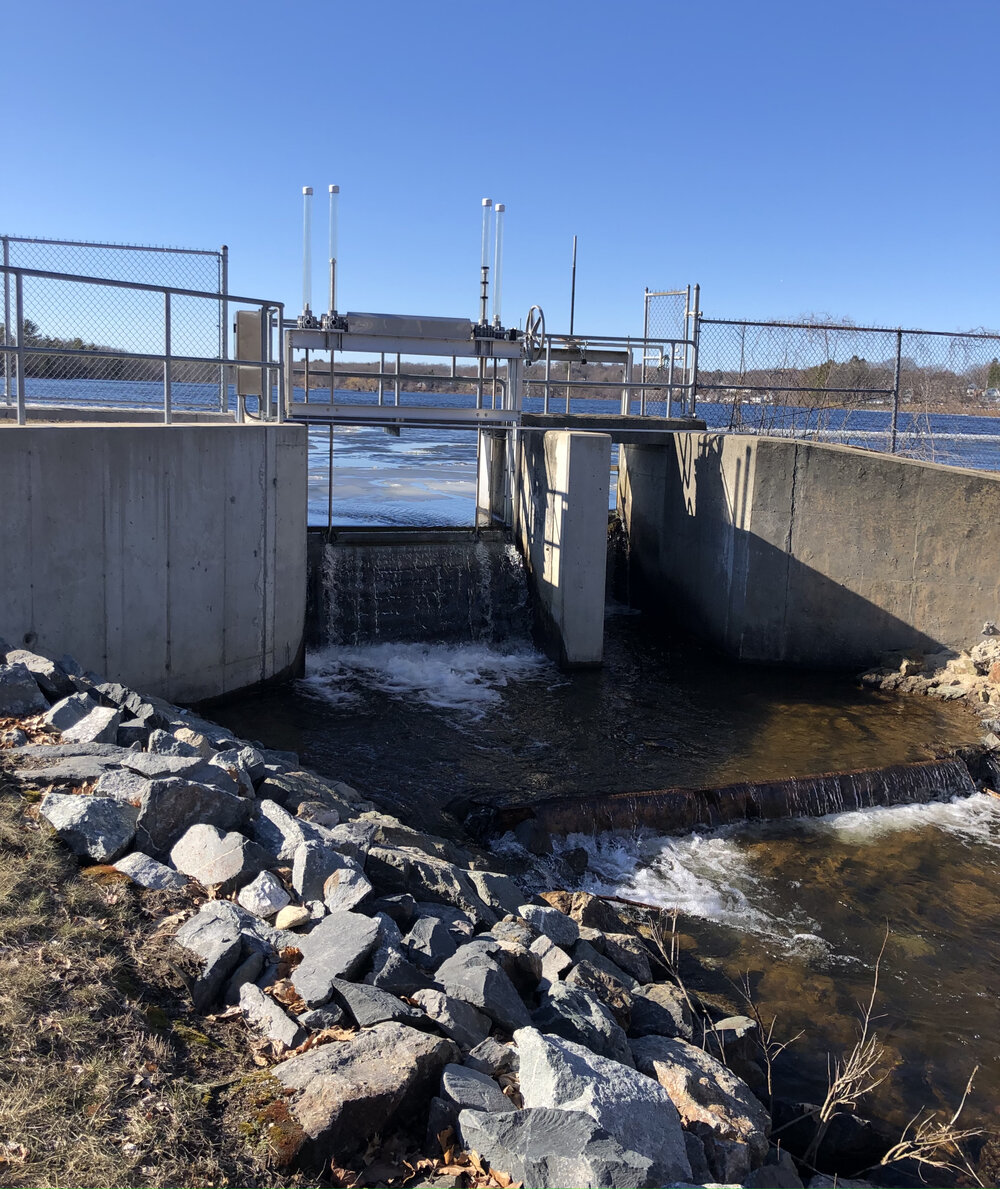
(351, 1090)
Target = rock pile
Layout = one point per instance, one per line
(398, 980)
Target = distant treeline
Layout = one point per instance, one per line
(59, 366)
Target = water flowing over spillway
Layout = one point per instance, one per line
(673, 811)
(427, 590)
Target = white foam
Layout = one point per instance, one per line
(975, 818)
(463, 678)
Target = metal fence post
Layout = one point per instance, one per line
(223, 328)
(895, 390)
(694, 332)
(167, 410)
(19, 331)
(6, 319)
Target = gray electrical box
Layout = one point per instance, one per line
(249, 338)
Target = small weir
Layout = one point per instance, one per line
(446, 587)
(678, 810)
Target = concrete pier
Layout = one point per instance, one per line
(561, 521)
(793, 552)
(171, 558)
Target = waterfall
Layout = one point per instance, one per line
(422, 590)
(674, 811)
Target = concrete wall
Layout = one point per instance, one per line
(561, 522)
(805, 554)
(172, 558)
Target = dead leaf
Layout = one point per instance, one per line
(477, 1163)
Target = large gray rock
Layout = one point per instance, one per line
(460, 924)
(427, 878)
(472, 1090)
(264, 896)
(268, 1017)
(351, 839)
(51, 677)
(478, 980)
(606, 987)
(555, 961)
(583, 951)
(227, 861)
(345, 888)
(628, 954)
(500, 892)
(551, 1149)
(282, 834)
(19, 692)
(392, 971)
(461, 1021)
(636, 1111)
(660, 1009)
(338, 947)
(709, 1096)
(70, 772)
(122, 785)
(166, 743)
(191, 768)
(81, 719)
(577, 1015)
(348, 1092)
(148, 873)
(312, 864)
(551, 923)
(98, 828)
(430, 942)
(370, 1006)
(493, 1058)
(214, 935)
(173, 805)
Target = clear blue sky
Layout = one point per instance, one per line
(792, 157)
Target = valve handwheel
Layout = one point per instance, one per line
(534, 334)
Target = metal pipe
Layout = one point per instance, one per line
(19, 341)
(329, 487)
(572, 291)
(334, 202)
(548, 371)
(692, 395)
(381, 384)
(498, 264)
(396, 384)
(484, 295)
(306, 247)
(167, 410)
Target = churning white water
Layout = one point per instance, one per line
(467, 679)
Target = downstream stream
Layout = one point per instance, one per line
(802, 905)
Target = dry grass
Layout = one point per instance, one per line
(106, 1076)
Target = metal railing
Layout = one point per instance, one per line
(932, 395)
(646, 377)
(142, 346)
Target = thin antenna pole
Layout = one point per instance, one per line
(485, 262)
(334, 202)
(572, 291)
(498, 264)
(306, 247)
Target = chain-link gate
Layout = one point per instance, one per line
(80, 333)
(670, 314)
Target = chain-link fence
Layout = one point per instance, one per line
(668, 314)
(920, 394)
(87, 341)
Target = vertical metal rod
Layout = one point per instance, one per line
(265, 372)
(627, 380)
(569, 371)
(167, 410)
(381, 381)
(670, 382)
(306, 247)
(895, 390)
(479, 383)
(224, 328)
(695, 338)
(19, 353)
(548, 370)
(305, 379)
(484, 296)
(498, 264)
(332, 381)
(645, 337)
(8, 397)
(396, 381)
(334, 201)
(572, 291)
(280, 313)
(329, 488)
(454, 365)
(493, 394)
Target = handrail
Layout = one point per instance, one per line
(271, 367)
